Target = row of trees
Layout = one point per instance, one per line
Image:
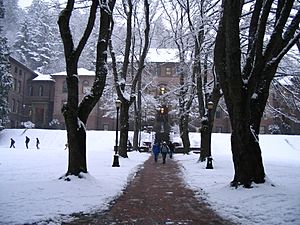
(231, 48)
(248, 48)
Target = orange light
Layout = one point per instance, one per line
(162, 110)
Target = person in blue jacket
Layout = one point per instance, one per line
(164, 151)
(156, 151)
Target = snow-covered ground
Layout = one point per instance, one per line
(30, 190)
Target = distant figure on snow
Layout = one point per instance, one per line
(12, 143)
(27, 141)
(37, 143)
(66, 146)
(164, 151)
(156, 151)
(171, 147)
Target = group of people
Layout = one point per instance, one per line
(27, 140)
(164, 149)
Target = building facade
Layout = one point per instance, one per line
(39, 98)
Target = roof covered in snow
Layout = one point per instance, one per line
(81, 72)
(43, 77)
(165, 55)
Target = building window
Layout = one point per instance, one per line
(168, 71)
(19, 86)
(162, 89)
(15, 84)
(18, 107)
(30, 92)
(13, 105)
(85, 87)
(219, 129)
(262, 130)
(16, 70)
(105, 127)
(65, 87)
(20, 72)
(41, 90)
(218, 113)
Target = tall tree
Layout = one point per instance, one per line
(12, 19)
(76, 113)
(127, 98)
(245, 83)
(5, 76)
(37, 44)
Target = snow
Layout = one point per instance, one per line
(80, 71)
(43, 77)
(162, 55)
(31, 191)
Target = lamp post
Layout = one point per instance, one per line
(210, 106)
(116, 156)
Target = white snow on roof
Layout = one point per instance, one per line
(81, 72)
(165, 55)
(42, 77)
(160, 55)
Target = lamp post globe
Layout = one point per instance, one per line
(116, 155)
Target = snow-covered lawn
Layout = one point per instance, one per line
(30, 190)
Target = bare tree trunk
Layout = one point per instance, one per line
(124, 123)
(184, 132)
(76, 114)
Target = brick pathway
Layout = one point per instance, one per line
(157, 195)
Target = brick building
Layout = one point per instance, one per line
(39, 98)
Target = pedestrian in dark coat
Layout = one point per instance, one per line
(37, 143)
(27, 139)
(12, 143)
(164, 151)
(171, 147)
(156, 151)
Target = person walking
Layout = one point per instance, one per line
(156, 150)
(27, 139)
(171, 147)
(12, 143)
(37, 143)
(164, 151)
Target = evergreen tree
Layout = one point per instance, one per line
(38, 44)
(13, 17)
(5, 76)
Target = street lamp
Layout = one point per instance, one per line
(116, 156)
(210, 106)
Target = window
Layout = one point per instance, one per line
(13, 105)
(15, 84)
(19, 86)
(162, 90)
(30, 92)
(18, 107)
(168, 71)
(262, 130)
(219, 129)
(20, 72)
(41, 90)
(85, 87)
(64, 87)
(16, 69)
(218, 113)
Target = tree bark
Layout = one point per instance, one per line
(76, 114)
(184, 132)
(124, 128)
